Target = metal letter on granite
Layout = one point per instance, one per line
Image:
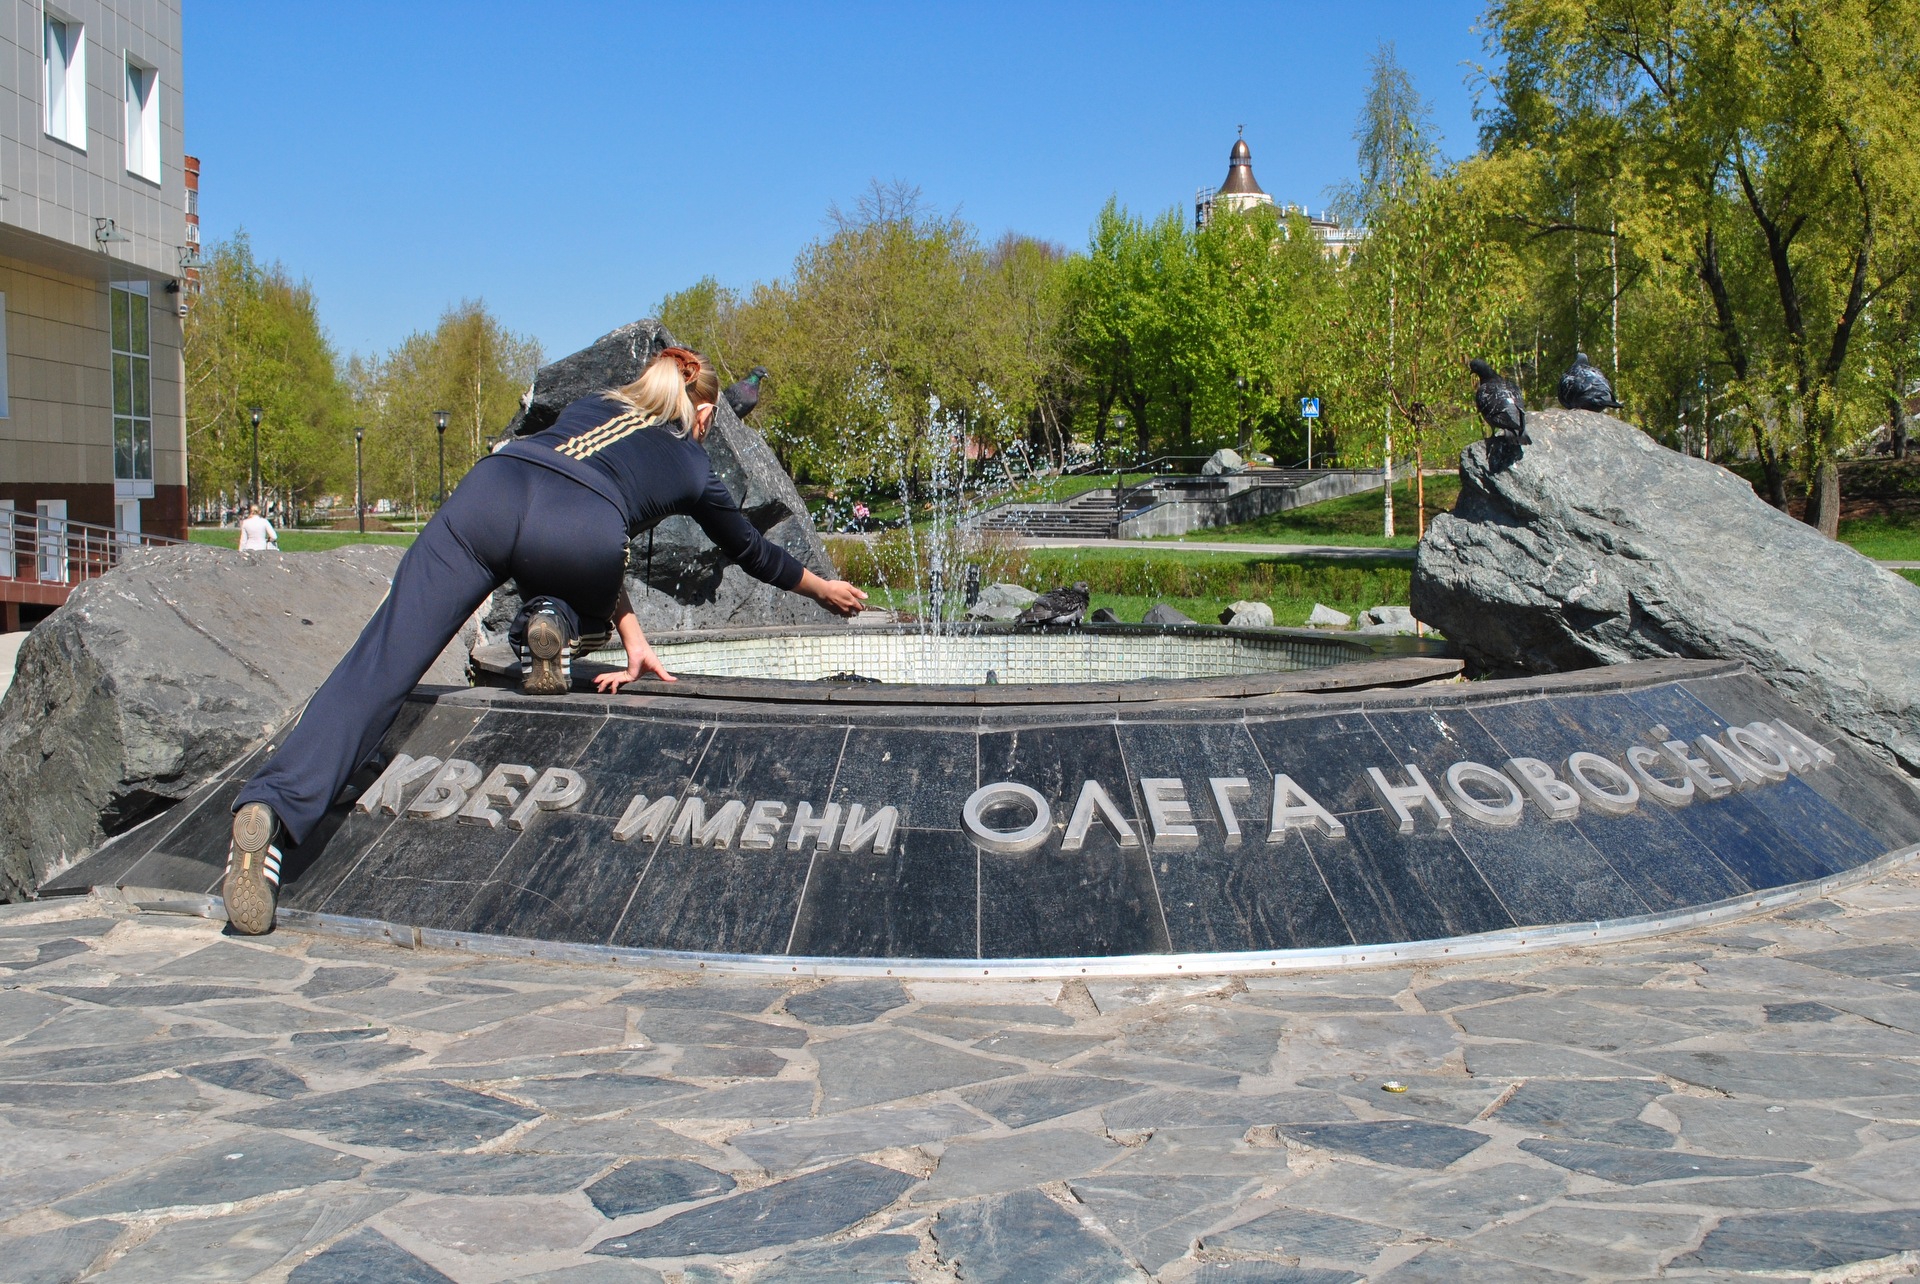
(389, 793)
(556, 790)
(1295, 808)
(1094, 800)
(502, 785)
(1401, 799)
(447, 792)
(1602, 783)
(999, 797)
(1501, 813)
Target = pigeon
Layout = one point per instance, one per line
(745, 395)
(1058, 606)
(1498, 402)
(1583, 387)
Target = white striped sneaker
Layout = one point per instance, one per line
(252, 886)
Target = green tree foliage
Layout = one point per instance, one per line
(1753, 169)
(469, 365)
(253, 338)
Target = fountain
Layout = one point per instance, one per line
(941, 799)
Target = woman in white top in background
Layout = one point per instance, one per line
(257, 533)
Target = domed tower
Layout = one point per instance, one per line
(1239, 192)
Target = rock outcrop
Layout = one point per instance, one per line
(154, 676)
(1597, 545)
(676, 578)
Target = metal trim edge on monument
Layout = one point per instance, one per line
(1487, 944)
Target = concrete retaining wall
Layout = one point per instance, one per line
(1181, 516)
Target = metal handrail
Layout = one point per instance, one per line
(60, 550)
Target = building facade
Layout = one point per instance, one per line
(93, 258)
(1241, 192)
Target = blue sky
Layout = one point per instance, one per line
(572, 163)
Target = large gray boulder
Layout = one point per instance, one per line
(1597, 545)
(676, 578)
(154, 676)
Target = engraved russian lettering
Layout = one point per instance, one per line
(502, 785)
(1401, 799)
(1502, 810)
(556, 790)
(1295, 808)
(446, 793)
(1168, 811)
(1095, 801)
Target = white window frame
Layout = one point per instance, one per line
(7, 568)
(70, 125)
(143, 117)
(4, 411)
(139, 427)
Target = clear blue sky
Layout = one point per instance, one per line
(572, 163)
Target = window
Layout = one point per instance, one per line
(3, 356)
(132, 391)
(143, 121)
(52, 540)
(66, 80)
(193, 201)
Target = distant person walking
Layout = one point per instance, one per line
(257, 533)
(554, 512)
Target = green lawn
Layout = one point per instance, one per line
(301, 541)
(1354, 521)
(1911, 573)
(1891, 537)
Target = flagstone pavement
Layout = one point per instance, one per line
(176, 1104)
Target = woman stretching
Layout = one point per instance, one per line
(554, 513)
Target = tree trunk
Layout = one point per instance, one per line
(1419, 485)
(1823, 502)
(1897, 424)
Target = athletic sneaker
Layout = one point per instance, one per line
(252, 887)
(546, 666)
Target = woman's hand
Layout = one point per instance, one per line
(837, 596)
(640, 655)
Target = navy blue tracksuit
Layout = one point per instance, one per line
(553, 512)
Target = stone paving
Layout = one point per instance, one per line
(179, 1105)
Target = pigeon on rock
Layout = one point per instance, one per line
(1498, 402)
(1058, 606)
(1583, 387)
(745, 395)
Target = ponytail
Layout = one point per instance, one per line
(672, 385)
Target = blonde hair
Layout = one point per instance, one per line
(671, 387)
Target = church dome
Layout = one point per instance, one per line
(1240, 172)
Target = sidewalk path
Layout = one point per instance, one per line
(180, 1105)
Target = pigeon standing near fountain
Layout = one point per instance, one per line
(1498, 402)
(1583, 387)
(745, 395)
(1058, 606)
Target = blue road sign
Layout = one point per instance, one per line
(1309, 407)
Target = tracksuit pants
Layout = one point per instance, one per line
(563, 544)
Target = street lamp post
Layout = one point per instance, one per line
(359, 495)
(440, 426)
(253, 412)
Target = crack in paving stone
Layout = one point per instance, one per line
(1297, 1232)
(811, 1206)
(784, 1147)
(402, 1116)
(847, 1002)
(1405, 1144)
(490, 1174)
(1020, 1102)
(1634, 1166)
(1586, 1110)
(642, 1185)
(1157, 1218)
(876, 1259)
(256, 1075)
(59, 1256)
(226, 1172)
(366, 1255)
(1021, 1237)
(1813, 1241)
